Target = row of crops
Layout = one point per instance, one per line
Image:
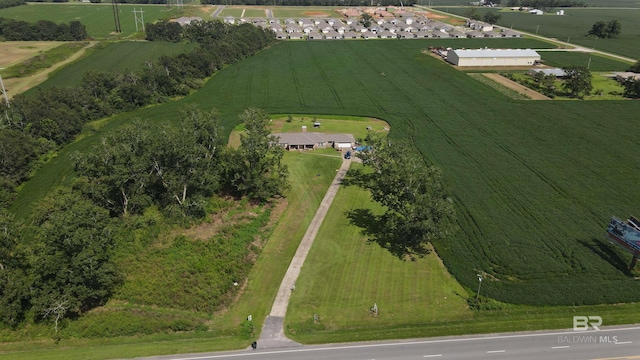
(534, 182)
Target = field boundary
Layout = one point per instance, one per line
(512, 85)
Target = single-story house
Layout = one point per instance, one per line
(557, 72)
(510, 33)
(352, 35)
(296, 36)
(188, 20)
(314, 140)
(622, 76)
(457, 34)
(475, 34)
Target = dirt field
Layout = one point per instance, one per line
(16, 86)
(533, 95)
(13, 52)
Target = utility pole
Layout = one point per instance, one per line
(116, 15)
(479, 285)
(138, 19)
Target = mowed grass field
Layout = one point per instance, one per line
(574, 26)
(534, 183)
(116, 56)
(98, 18)
(345, 275)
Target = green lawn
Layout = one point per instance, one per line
(116, 56)
(344, 275)
(357, 127)
(254, 13)
(235, 12)
(98, 18)
(574, 26)
(593, 61)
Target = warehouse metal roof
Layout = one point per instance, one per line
(495, 53)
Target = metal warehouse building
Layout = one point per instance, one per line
(492, 57)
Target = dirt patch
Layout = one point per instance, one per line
(435, 16)
(16, 86)
(533, 95)
(14, 52)
(316, 14)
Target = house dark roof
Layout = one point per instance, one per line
(312, 138)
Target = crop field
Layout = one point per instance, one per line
(114, 56)
(574, 26)
(534, 183)
(98, 18)
(593, 61)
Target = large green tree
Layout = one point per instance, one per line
(14, 280)
(491, 17)
(418, 208)
(116, 172)
(190, 159)
(577, 80)
(72, 263)
(258, 169)
(602, 29)
(632, 88)
(635, 67)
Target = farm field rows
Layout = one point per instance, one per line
(574, 26)
(98, 18)
(116, 56)
(534, 183)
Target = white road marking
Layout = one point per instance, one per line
(495, 351)
(430, 356)
(560, 347)
(623, 342)
(402, 343)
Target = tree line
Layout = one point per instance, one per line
(38, 123)
(11, 3)
(42, 30)
(70, 269)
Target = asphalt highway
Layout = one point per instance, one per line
(607, 343)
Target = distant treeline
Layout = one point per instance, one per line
(43, 30)
(40, 122)
(11, 3)
(310, 2)
(545, 4)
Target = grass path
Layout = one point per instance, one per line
(273, 333)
